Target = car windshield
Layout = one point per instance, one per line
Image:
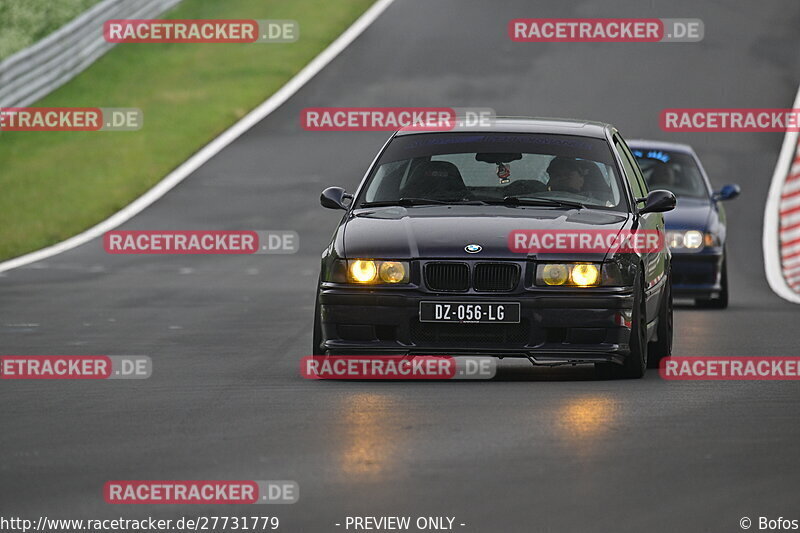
(558, 171)
(676, 172)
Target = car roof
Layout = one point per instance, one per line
(660, 145)
(559, 126)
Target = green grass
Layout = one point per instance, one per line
(57, 184)
(23, 22)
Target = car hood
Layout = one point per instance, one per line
(443, 231)
(689, 213)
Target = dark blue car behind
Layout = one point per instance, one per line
(697, 227)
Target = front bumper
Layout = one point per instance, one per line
(556, 327)
(697, 275)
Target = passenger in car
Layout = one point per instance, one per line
(594, 183)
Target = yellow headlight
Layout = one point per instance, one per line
(392, 272)
(585, 275)
(363, 270)
(554, 274)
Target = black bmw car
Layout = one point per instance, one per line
(421, 261)
(697, 229)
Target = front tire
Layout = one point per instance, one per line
(721, 302)
(663, 346)
(317, 335)
(635, 363)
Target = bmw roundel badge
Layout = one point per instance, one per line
(473, 248)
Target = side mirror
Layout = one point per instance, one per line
(658, 201)
(333, 198)
(728, 192)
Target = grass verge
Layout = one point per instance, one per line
(57, 184)
(23, 22)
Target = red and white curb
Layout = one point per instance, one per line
(782, 221)
(790, 225)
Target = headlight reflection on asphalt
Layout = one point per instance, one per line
(584, 421)
(370, 441)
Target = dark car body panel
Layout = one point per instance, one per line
(444, 231)
(558, 324)
(555, 126)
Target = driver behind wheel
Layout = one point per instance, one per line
(565, 175)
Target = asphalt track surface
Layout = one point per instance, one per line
(535, 449)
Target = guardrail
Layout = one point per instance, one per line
(32, 73)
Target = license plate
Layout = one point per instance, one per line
(469, 312)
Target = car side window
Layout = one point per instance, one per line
(387, 182)
(630, 170)
(636, 169)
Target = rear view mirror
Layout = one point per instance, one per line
(658, 201)
(497, 158)
(728, 192)
(333, 198)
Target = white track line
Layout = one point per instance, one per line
(214, 147)
(787, 165)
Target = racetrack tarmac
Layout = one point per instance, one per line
(536, 449)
